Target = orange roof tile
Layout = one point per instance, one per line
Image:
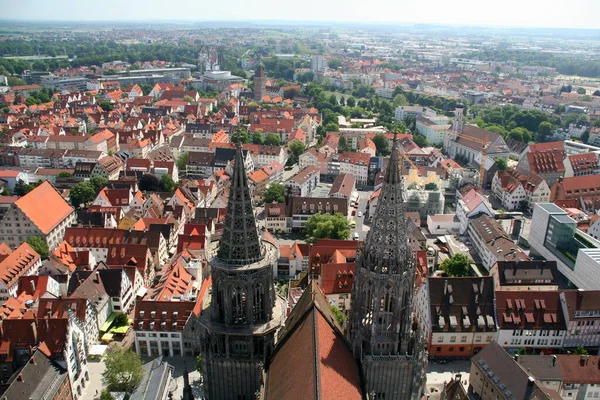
(45, 207)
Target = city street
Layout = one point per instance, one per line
(361, 228)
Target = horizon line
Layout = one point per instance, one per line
(280, 21)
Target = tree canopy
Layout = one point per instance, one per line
(272, 139)
(123, 371)
(421, 140)
(382, 144)
(457, 265)
(275, 193)
(327, 226)
(296, 148)
(240, 136)
(149, 183)
(167, 184)
(82, 193)
(501, 164)
(98, 182)
(39, 245)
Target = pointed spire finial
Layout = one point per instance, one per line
(240, 243)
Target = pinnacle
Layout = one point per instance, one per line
(240, 243)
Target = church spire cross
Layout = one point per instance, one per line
(240, 243)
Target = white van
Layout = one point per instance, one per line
(355, 236)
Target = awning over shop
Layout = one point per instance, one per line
(120, 330)
(97, 350)
(106, 326)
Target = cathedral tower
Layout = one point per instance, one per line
(239, 325)
(382, 332)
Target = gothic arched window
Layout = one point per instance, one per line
(239, 301)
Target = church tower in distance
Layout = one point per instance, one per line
(385, 338)
(238, 326)
(259, 83)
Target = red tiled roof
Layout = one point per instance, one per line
(45, 194)
(546, 161)
(17, 263)
(313, 347)
(584, 162)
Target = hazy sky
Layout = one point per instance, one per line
(535, 13)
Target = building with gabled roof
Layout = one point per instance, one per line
(517, 190)
(460, 316)
(495, 373)
(312, 344)
(582, 164)
(23, 261)
(26, 217)
(539, 313)
(40, 379)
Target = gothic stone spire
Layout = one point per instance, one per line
(386, 245)
(240, 244)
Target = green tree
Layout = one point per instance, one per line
(339, 316)
(121, 319)
(182, 161)
(188, 98)
(334, 63)
(272, 139)
(257, 137)
(585, 137)
(106, 105)
(167, 184)
(501, 164)
(544, 129)
(581, 90)
(5, 192)
(421, 140)
(105, 395)
(296, 148)
(399, 100)
(98, 182)
(21, 188)
(351, 102)
(520, 134)
(64, 174)
(123, 371)
(39, 245)
(240, 136)
(382, 144)
(82, 193)
(431, 186)
(332, 127)
(149, 183)
(275, 193)
(343, 144)
(327, 226)
(457, 265)
(581, 351)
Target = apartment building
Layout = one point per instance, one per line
(459, 316)
(302, 183)
(27, 218)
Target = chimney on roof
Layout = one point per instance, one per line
(516, 357)
(33, 360)
(32, 282)
(445, 286)
(20, 378)
(554, 360)
(582, 361)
